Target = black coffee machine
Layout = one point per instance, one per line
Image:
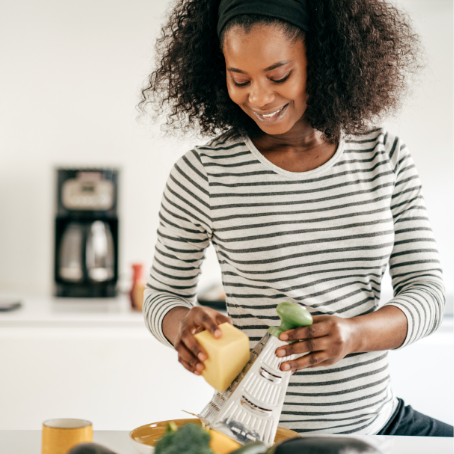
(86, 233)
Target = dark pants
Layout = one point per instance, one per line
(406, 421)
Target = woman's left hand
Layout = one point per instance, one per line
(327, 341)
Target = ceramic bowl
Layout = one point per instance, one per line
(145, 437)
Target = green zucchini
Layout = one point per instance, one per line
(292, 316)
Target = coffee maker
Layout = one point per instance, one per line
(86, 233)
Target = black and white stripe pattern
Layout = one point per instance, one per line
(321, 238)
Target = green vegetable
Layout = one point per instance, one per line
(292, 316)
(188, 439)
(171, 427)
(254, 447)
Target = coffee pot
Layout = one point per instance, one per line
(86, 233)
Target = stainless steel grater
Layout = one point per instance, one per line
(250, 408)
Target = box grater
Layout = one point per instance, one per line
(249, 409)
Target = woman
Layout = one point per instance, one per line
(303, 199)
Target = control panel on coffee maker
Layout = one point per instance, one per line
(86, 233)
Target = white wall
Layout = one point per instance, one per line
(70, 78)
(426, 123)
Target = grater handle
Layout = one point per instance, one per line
(292, 316)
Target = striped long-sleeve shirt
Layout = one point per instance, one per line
(321, 238)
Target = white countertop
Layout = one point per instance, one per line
(50, 310)
(29, 442)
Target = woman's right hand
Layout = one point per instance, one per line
(190, 352)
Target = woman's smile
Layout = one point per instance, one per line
(273, 117)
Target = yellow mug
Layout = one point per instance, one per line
(60, 435)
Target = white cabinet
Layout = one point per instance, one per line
(423, 373)
(92, 360)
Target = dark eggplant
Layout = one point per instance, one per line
(89, 448)
(323, 445)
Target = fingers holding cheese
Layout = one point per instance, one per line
(190, 353)
(189, 361)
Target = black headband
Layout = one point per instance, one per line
(293, 11)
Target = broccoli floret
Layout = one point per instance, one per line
(188, 439)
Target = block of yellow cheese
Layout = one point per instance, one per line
(226, 356)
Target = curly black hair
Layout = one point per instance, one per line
(359, 55)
